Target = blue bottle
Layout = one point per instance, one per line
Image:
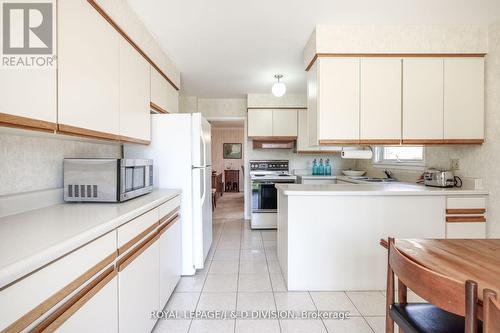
(321, 168)
(328, 168)
(315, 168)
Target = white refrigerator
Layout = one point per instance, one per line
(181, 152)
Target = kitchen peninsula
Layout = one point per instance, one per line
(328, 235)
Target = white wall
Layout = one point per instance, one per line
(396, 39)
(214, 107)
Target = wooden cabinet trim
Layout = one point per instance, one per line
(65, 311)
(395, 55)
(50, 302)
(137, 238)
(78, 131)
(466, 211)
(133, 140)
(169, 215)
(442, 141)
(9, 120)
(157, 108)
(167, 225)
(130, 41)
(464, 219)
(316, 152)
(463, 141)
(380, 142)
(133, 254)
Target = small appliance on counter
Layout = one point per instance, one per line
(106, 179)
(437, 178)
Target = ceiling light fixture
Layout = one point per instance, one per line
(279, 88)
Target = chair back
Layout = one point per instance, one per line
(439, 290)
(491, 312)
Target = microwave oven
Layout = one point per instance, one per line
(106, 180)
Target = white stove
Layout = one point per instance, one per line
(264, 175)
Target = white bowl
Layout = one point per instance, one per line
(353, 173)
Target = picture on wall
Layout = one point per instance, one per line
(232, 151)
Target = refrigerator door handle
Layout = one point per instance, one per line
(202, 181)
(204, 149)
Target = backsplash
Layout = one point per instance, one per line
(35, 162)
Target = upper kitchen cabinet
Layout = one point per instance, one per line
(333, 101)
(164, 97)
(464, 100)
(423, 100)
(135, 118)
(36, 112)
(260, 122)
(303, 146)
(285, 122)
(380, 110)
(88, 73)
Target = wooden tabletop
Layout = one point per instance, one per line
(460, 259)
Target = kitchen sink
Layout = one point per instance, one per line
(376, 180)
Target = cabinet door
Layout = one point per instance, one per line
(163, 94)
(138, 289)
(312, 105)
(423, 99)
(302, 135)
(170, 260)
(284, 122)
(135, 120)
(99, 314)
(260, 122)
(40, 86)
(338, 100)
(380, 115)
(464, 98)
(88, 70)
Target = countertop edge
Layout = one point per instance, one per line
(23, 267)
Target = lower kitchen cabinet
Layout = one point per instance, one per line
(138, 288)
(98, 315)
(170, 259)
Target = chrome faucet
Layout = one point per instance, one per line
(389, 175)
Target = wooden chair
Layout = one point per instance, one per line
(491, 312)
(214, 199)
(444, 295)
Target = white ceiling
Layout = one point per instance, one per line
(227, 48)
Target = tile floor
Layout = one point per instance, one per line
(242, 273)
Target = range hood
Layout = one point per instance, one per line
(273, 143)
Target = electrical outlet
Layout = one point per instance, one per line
(454, 164)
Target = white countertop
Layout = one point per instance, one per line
(366, 188)
(32, 239)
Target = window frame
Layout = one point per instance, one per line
(380, 161)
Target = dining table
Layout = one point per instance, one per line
(459, 259)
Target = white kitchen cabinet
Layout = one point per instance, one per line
(135, 119)
(334, 104)
(464, 99)
(163, 94)
(284, 122)
(138, 290)
(380, 110)
(466, 230)
(423, 91)
(88, 71)
(170, 260)
(260, 122)
(37, 111)
(98, 315)
(303, 145)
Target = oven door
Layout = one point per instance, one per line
(136, 178)
(264, 197)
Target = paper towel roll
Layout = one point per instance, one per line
(362, 154)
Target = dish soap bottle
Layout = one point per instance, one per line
(315, 168)
(328, 168)
(321, 168)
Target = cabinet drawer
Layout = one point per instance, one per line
(136, 229)
(33, 296)
(466, 230)
(475, 202)
(168, 207)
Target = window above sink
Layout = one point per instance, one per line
(406, 157)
